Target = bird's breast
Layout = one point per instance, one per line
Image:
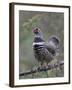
(41, 53)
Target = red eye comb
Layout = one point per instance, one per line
(36, 29)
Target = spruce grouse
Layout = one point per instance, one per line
(44, 51)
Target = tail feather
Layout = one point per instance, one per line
(52, 45)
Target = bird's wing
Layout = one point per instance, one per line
(50, 49)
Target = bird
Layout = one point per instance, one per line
(44, 51)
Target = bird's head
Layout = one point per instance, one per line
(37, 32)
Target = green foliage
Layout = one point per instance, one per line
(50, 24)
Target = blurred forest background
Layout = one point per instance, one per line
(50, 23)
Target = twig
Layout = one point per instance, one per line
(49, 67)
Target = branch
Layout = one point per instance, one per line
(40, 69)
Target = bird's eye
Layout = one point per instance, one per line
(37, 29)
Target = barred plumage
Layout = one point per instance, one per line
(44, 52)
